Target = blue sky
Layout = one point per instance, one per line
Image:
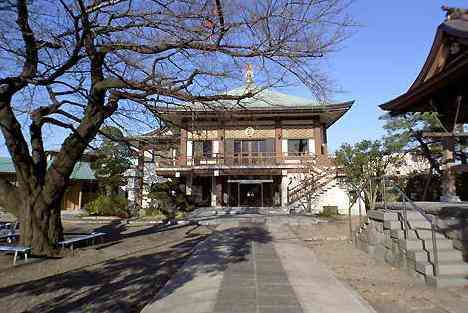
(378, 63)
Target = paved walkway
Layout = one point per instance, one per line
(255, 267)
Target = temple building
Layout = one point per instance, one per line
(269, 150)
(442, 87)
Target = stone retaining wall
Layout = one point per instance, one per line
(375, 239)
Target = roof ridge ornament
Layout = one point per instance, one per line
(249, 75)
(453, 13)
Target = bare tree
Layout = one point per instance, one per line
(70, 65)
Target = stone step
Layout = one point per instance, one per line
(411, 224)
(445, 268)
(394, 215)
(443, 281)
(450, 255)
(415, 224)
(392, 225)
(415, 234)
(425, 244)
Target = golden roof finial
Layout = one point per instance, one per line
(249, 74)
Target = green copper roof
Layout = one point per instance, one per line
(263, 98)
(81, 171)
(6, 166)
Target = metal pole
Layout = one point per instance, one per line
(350, 223)
(383, 192)
(360, 212)
(405, 219)
(435, 253)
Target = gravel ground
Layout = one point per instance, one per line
(387, 289)
(120, 275)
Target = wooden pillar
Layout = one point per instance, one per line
(284, 188)
(221, 141)
(80, 198)
(324, 139)
(318, 139)
(219, 191)
(183, 147)
(220, 157)
(216, 190)
(449, 189)
(278, 142)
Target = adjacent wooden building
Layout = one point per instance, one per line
(81, 189)
(442, 87)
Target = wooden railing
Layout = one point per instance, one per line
(252, 158)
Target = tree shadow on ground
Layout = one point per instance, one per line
(127, 284)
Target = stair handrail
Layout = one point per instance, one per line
(311, 182)
(432, 221)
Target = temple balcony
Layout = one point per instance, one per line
(241, 160)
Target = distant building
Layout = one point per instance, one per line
(410, 164)
(81, 188)
(269, 150)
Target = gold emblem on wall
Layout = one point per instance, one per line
(249, 131)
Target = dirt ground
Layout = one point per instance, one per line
(120, 275)
(387, 289)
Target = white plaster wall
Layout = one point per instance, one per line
(215, 146)
(312, 146)
(189, 149)
(284, 146)
(333, 195)
(336, 195)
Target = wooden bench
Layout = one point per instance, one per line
(16, 249)
(72, 241)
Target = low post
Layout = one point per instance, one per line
(360, 213)
(405, 218)
(383, 193)
(350, 223)
(435, 253)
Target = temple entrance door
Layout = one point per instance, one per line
(250, 195)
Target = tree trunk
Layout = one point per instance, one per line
(41, 226)
(427, 185)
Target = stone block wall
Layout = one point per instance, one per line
(375, 239)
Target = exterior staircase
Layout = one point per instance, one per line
(316, 182)
(416, 249)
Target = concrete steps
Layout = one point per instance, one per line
(459, 269)
(418, 224)
(412, 224)
(414, 234)
(417, 244)
(396, 215)
(450, 255)
(444, 281)
(415, 252)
